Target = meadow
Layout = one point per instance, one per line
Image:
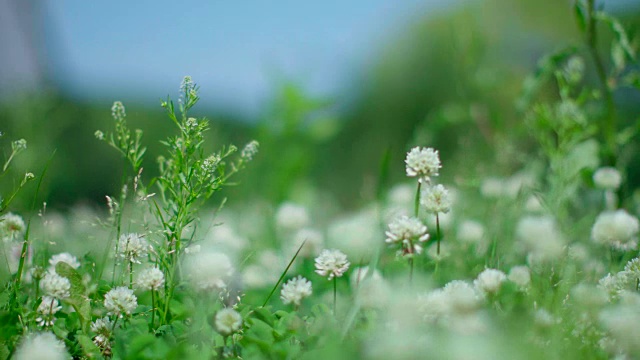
(531, 253)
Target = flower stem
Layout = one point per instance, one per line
(335, 282)
(153, 307)
(438, 234)
(410, 269)
(416, 206)
(130, 274)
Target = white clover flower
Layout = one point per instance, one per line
(408, 232)
(533, 205)
(120, 301)
(47, 308)
(65, 258)
(227, 238)
(103, 343)
(11, 226)
(540, 237)
(607, 178)
(623, 324)
(617, 229)
(355, 234)
(461, 297)
(613, 285)
(132, 247)
(521, 276)
(228, 321)
(434, 305)
(290, 216)
(435, 199)
(295, 290)
(250, 150)
(589, 295)
(55, 285)
(489, 281)
(544, 319)
(102, 326)
(332, 263)
(423, 163)
(209, 270)
(42, 346)
(151, 279)
(372, 291)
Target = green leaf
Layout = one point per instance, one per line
(88, 347)
(581, 16)
(78, 298)
(4, 351)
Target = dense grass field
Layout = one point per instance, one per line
(530, 253)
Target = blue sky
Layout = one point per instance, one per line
(236, 50)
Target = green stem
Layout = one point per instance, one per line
(608, 124)
(335, 291)
(437, 234)
(153, 307)
(410, 269)
(416, 207)
(130, 274)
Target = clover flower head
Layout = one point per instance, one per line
(489, 281)
(151, 279)
(607, 178)
(290, 216)
(435, 199)
(65, 258)
(520, 275)
(228, 321)
(422, 162)
(617, 229)
(11, 226)
(132, 247)
(209, 270)
(55, 285)
(47, 308)
(409, 232)
(331, 263)
(41, 346)
(102, 326)
(120, 301)
(295, 290)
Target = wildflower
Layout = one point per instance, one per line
(99, 135)
(209, 270)
(470, 232)
(607, 178)
(47, 308)
(102, 326)
(332, 263)
(103, 343)
(120, 301)
(228, 321)
(292, 216)
(544, 319)
(65, 258)
(521, 276)
(295, 290)
(372, 291)
(617, 229)
(132, 247)
(11, 226)
(540, 237)
(250, 150)
(42, 346)
(355, 234)
(613, 285)
(313, 242)
(489, 281)
(151, 279)
(409, 232)
(117, 111)
(435, 199)
(19, 145)
(422, 162)
(55, 285)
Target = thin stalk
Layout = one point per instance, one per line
(130, 274)
(113, 327)
(410, 260)
(284, 273)
(335, 291)
(153, 307)
(437, 234)
(416, 205)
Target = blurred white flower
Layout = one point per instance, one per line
(423, 163)
(295, 290)
(228, 321)
(151, 279)
(65, 258)
(42, 346)
(332, 263)
(356, 234)
(470, 232)
(521, 276)
(540, 237)
(489, 281)
(617, 229)
(120, 301)
(435, 199)
(132, 247)
(11, 226)
(607, 178)
(209, 270)
(102, 326)
(290, 217)
(313, 243)
(55, 285)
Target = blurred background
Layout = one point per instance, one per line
(332, 90)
